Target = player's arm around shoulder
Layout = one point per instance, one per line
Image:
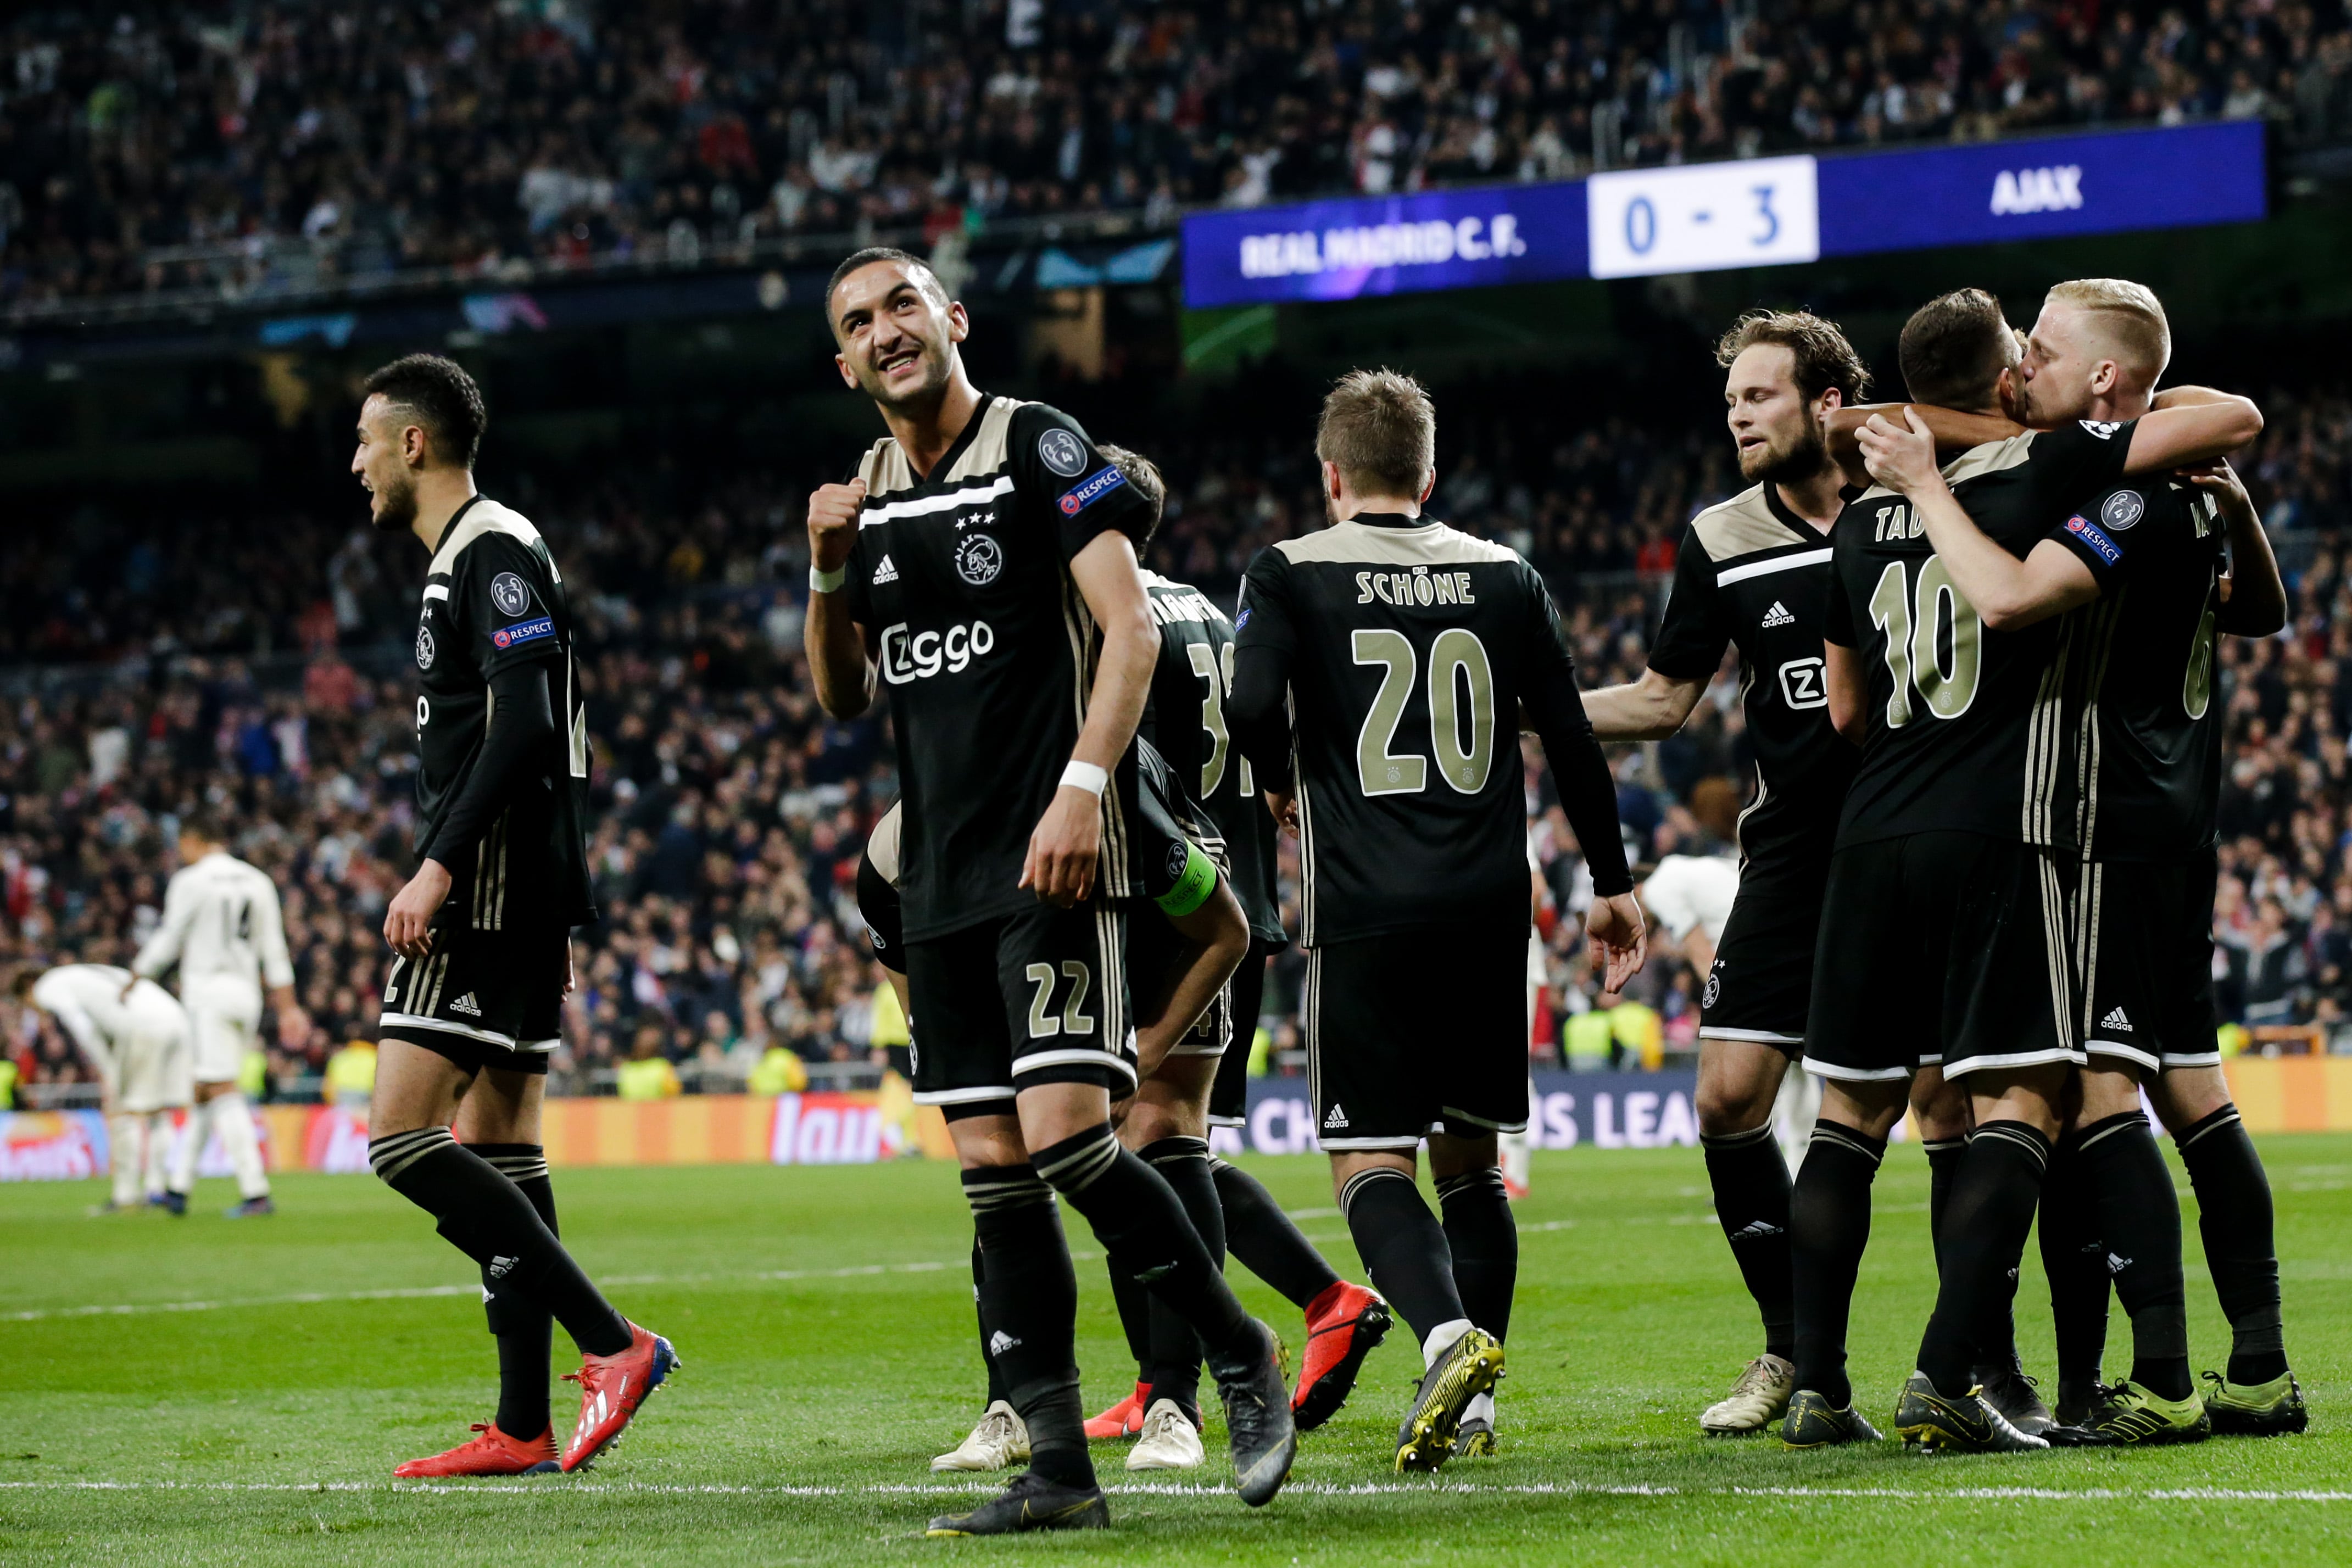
(2006, 592)
(2187, 425)
(840, 664)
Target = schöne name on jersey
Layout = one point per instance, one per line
(1419, 586)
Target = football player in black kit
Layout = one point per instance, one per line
(983, 565)
(1204, 1080)
(473, 1004)
(1754, 571)
(1382, 667)
(1952, 867)
(2151, 552)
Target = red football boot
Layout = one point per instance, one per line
(1124, 1420)
(1343, 1324)
(610, 1389)
(492, 1454)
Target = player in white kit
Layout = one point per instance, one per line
(136, 1035)
(223, 927)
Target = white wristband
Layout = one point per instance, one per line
(1087, 776)
(828, 582)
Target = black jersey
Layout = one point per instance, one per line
(962, 581)
(1185, 720)
(1409, 649)
(2141, 703)
(493, 599)
(1754, 573)
(1966, 724)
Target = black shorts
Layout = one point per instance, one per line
(1761, 985)
(1414, 1032)
(1229, 1097)
(1039, 997)
(2146, 929)
(1946, 948)
(482, 998)
(885, 916)
(1154, 950)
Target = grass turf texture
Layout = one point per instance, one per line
(825, 1318)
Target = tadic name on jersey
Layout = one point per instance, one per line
(925, 653)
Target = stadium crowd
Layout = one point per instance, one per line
(731, 811)
(163, 146)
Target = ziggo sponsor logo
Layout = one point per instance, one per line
(919, 656)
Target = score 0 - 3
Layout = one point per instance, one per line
(1702, 218)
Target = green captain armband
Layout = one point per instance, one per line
(1193, 885)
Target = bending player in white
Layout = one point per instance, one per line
(137, 1037)
(223, 927)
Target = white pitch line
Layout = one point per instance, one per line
(415, 1293)
(537, 1488)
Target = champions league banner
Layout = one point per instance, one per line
(1570, 1109)
(1703, 218)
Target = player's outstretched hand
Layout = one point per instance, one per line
(1619, 940)
(1060, 865)
(1902, 459)
(407, 923)
(833, 523)
(2221, 481)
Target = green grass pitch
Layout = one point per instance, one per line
(205, 1392)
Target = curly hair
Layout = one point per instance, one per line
(1824, 359)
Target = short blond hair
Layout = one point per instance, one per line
(1380, 429)
(2130, 319)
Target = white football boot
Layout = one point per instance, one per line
(1001, 1439)
(1759, 1398)
(1169, 1440)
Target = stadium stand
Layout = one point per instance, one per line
(210, 151)
(731, 811)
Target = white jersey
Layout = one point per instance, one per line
(221, 920)
(138, 1045)
(1693, 889)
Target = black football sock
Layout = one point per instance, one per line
(486, 1218)
(2140, 1220)
(1142, 1223)
(1484, 1241)
(1029, 1302)
(1829, 1227)
(2077, 1265)
(1403, 1248)
(2235, 1219)
(1985, 1221)
(525, 1330)
(1134, 1304)
(980, 1313)
(1265, 1241)
(1183, 1163)
(1752, 1200)
(1943, 1163)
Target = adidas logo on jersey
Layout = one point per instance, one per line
(885, 572)
(1778, 616)
(1337, 1122)
(2116, 1020)
(466, 1005)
